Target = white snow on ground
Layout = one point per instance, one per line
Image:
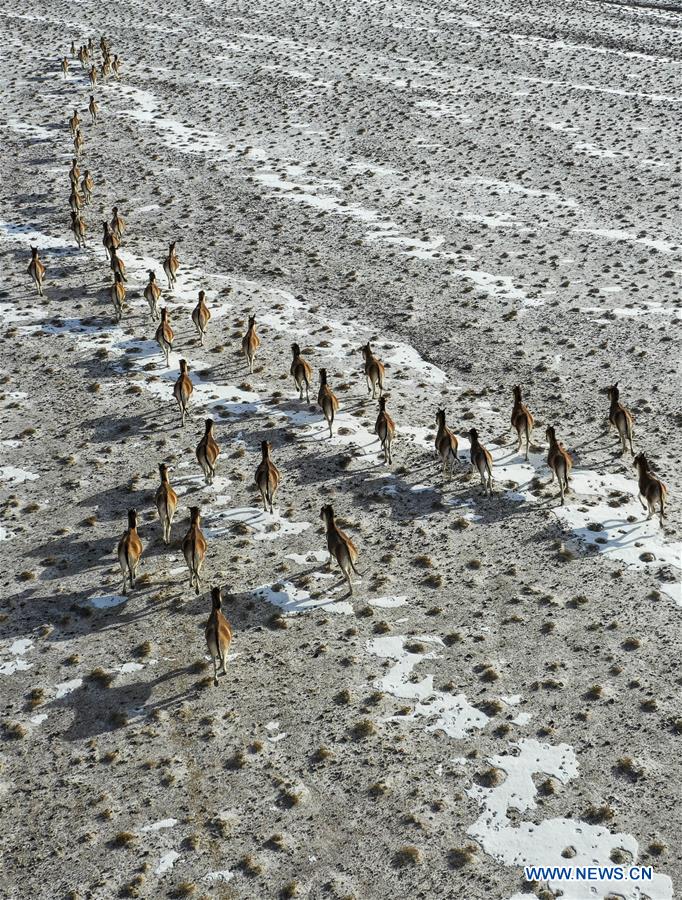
(167, 862)
(16, 651)
(66, 687)
(291, 599)
(16, 476)
(527, 843)
(107, 602)
(157, 826)
(223, 876)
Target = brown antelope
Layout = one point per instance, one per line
(183, 387)
(171, 264)
(78, 142)
(651, 489)
(340, 546)
(92, 75)
(103, 45)
(208, 452)
(374, 371)
(93, 108)
(74, 122)
(267, 477)
(620, 418)
(559, 461)
(482, 461)
(83, 56)
(302, 373)
(130, 551)
(117, 265)
(87, 185)
(110, 241)
(74, 172)
(218, 636)
(118, 295)
(166, 502)
(105, 70)
(116, 67)
(385, 429)
(164, 338)
(200, 316)
(152, 292)
(75, 199)
(446, 443)
(73, 48)
(522, 420)
(326, 400)
(65, 67)
(78, 228)
(117, 223)
(250, 343)
(194, 548)
(36, 270)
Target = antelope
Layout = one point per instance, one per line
(620, 418)
(73, 48)
(78, 228)
(374, 371)
(218, 636)
(446, 443)
(250, 343)
(83, 56)
(74, 122)
(117, 223)
(74, 172)
(36, 270)
(166, 502)
(302, 372)
(87, 185)
(103, 45)
(522, 420)
(75, 199)
(110, 241)
(650, 488)
(200, 316)
(130, 551)
(117, 265)
(559, 461)
(92, 75)
(171, 265)
(116, 66)
(105, 71)
(340, 546)
(91, 46)
(194, 548)
(152, 292)
(78, 142)
(93, 108)
(118, 295)
(385, 429)
(208, 452)
(65, 67)
(483, 461)
(326, 400)
(267, 477)
(164, 338)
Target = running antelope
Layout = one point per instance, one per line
(36, 270)
(93, 108)
(183, 387)
(171, 264)
(200, 316)
(75, 199)
(116, 67)
(446, 443)
(194, 548)
(559, 461)
(620, 418)
(118, 295)
(105, 71)
(73, 48)
(164, 338)
(651, 488)
(302, 373)
(78, 228)
(374, 371)
(166, 502)
(218, 636)
(110, 241)
(482, 461)
(74, 122)
(83, 56)
(117, 265)
(385, 429)
(103, 45)
(65, 67)
(326, 400)
(92, 75)
(130, 551)
(250, 343)
(74, 172)
(267, 477)
(208, 452)
(78, 142)
(522, 420)
(117, 223)
(340, 546)
(87, 185)
(152, 292)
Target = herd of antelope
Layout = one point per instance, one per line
(652, 491)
